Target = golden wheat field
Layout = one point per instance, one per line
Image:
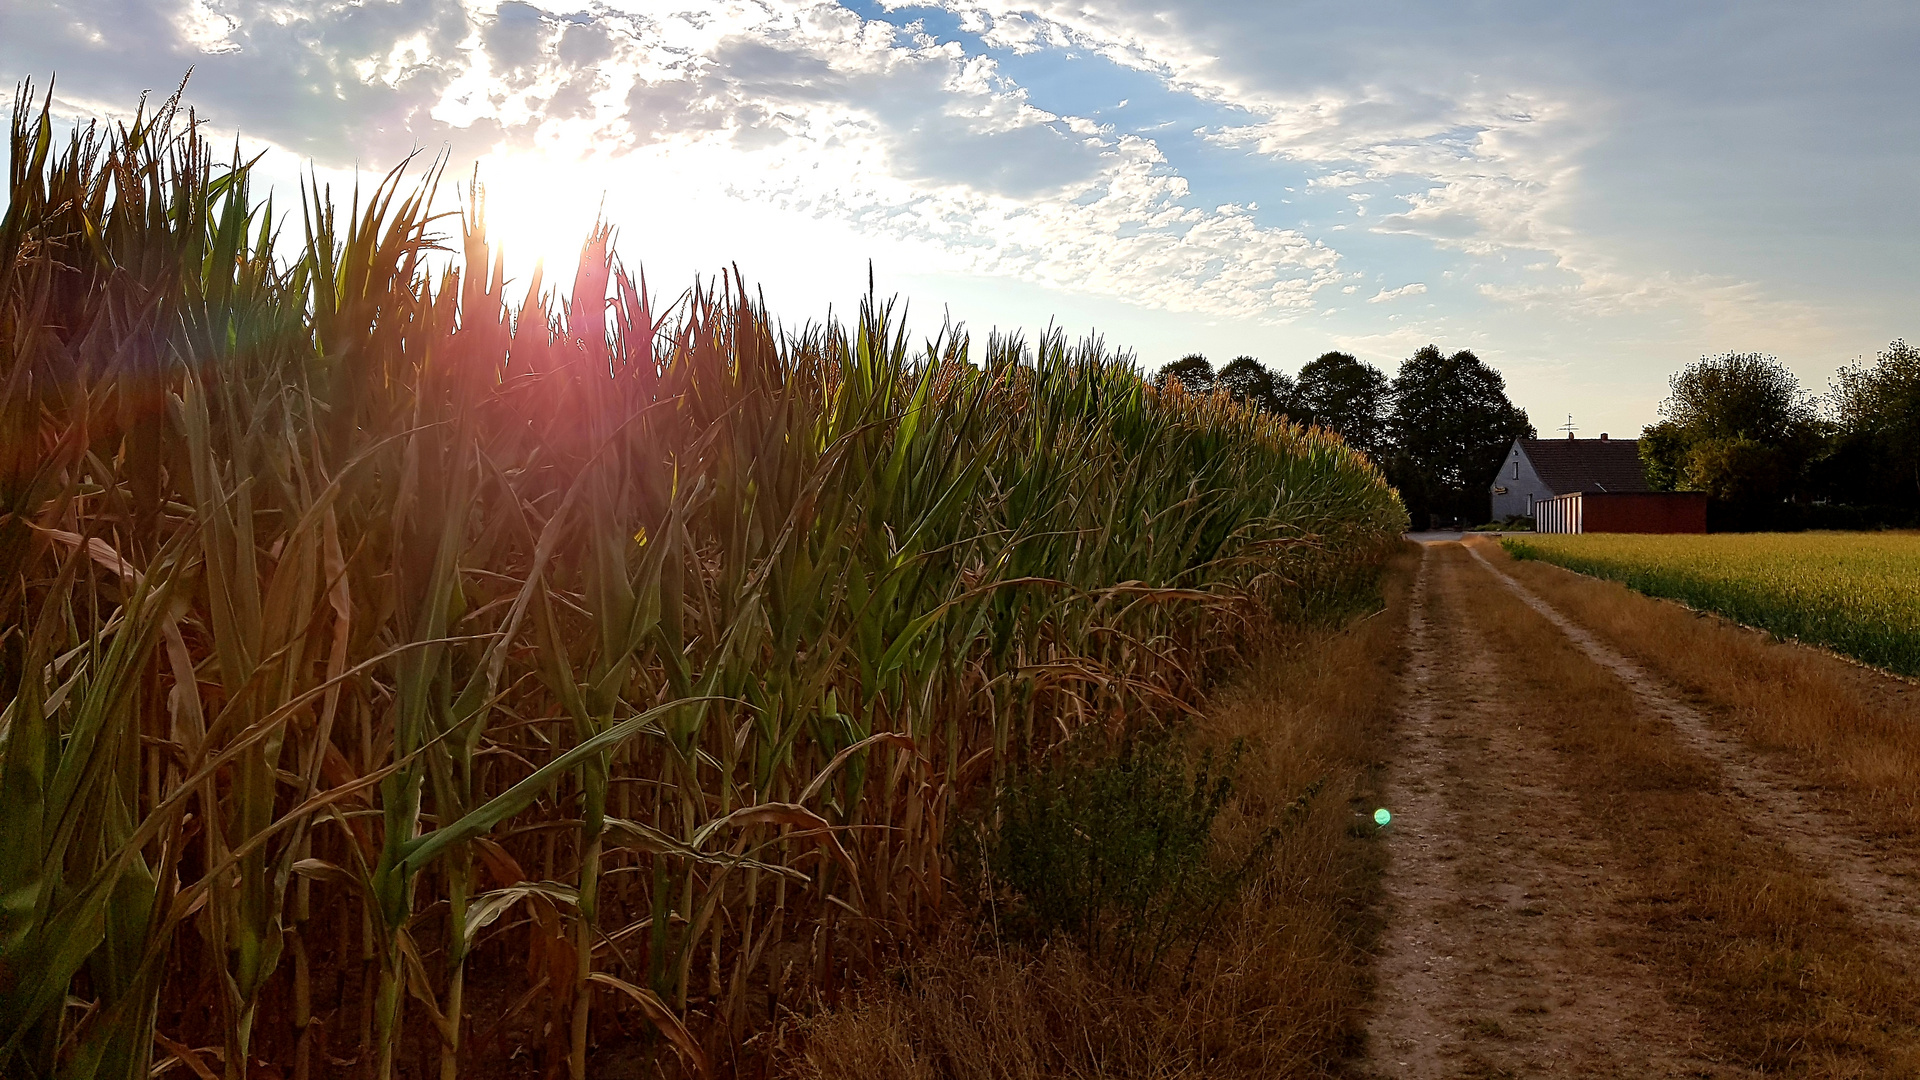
(1855, 593)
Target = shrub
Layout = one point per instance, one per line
(1117, 854)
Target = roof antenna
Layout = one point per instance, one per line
(1569, 427)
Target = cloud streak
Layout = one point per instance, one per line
(1385, 296)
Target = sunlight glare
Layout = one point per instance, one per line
(539, 211)
(675, 217)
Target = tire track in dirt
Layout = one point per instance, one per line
(1879, 893)
(1497, 958)
(1416, 964)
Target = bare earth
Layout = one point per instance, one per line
(1503, 954)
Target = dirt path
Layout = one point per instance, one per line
(1497, 961)
(1590, 876)
(1877, 883)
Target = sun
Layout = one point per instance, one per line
(538, 212)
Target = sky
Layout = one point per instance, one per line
(1587, 195)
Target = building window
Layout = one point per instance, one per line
(1516, 468)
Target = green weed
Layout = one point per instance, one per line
(1118, 854)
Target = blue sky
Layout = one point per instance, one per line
(1587, 195)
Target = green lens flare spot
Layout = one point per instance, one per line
(1382, 817)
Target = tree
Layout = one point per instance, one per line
(1450, 427)
(1252, 382)
(1663, 452)
(1736, 395)
(1877, 409)
(1191, 371)
(1738, 426)
(1740, 470)
(1339, 393)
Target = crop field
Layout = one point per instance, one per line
(1855, 593)
(404, 678)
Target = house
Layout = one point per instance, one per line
(1589, 485)
(1540, 469)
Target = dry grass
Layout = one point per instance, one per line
(1747, 937)
(1277, 993)
(1849, 729)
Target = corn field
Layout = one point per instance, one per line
(400, 679)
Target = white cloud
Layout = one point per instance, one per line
(797, 104)
(1487, 160)
(1483, 150)
(1387, 295)
(1487, 173)
(1482, 167)
(206, 28)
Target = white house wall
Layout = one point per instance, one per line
(1521, 491)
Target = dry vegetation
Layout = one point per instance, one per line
(1738, 954)
(1280, 989)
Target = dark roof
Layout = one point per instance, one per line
(1587, 464)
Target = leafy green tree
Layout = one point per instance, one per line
(1250, 381)
(1339, 393)
(1191, 371)
(1663, 452)
(1449, 429)
(1877, 409)
(1738, 426)
(1740, 469)
(1736, 395)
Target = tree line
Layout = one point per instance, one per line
(1772, 454)
(1439, 428)
(1769, 452)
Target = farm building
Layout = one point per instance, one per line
(1622, 512)
(1589, 485)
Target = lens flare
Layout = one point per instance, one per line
(1382, 817)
